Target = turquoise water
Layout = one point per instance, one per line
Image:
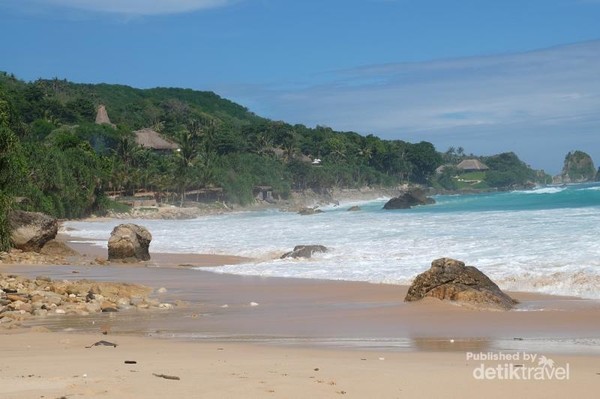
(543, 240)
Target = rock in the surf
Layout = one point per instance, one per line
(309, 211)
(304, 251)
(449, 279)
(408, 199)
(129, 243)
(354, 208)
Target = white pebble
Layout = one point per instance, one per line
(253, 304)
(225, 306)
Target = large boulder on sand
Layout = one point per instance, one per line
(129, 242)
(408, 199)
(30, 231)
(450, 279)
(304, 251)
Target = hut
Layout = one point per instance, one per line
(472, 165)
(148, 138)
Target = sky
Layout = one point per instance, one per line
(487, 75)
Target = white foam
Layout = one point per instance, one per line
(544, 190)
(553, 251)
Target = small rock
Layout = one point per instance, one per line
(304, 251)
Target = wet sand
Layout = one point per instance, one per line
(239, 336)
(327, 313)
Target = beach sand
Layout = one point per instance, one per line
(253, 337)
(36, 365)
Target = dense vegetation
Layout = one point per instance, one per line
(578, 167)
(506, 171)
(54, 157)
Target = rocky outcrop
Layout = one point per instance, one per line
(129, 243)
(30, 231)
(451, 280)
(577, 168)
(22, 298)
(354, 208)
(304, 251)
(408, 199)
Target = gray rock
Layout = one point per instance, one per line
(130, 243)
(304, 251)
(408, 199)
(30, 231)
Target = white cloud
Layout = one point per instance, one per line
(135, 7)
(540, 104)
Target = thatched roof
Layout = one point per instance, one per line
(148, 138)
(102, 116)
(472, 164)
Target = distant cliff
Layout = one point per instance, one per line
(578, 168)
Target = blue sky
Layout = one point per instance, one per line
(489, 76)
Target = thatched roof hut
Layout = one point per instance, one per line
(472, 165)
(102, 116)
(148, 138)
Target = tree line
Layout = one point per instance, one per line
(54, 158)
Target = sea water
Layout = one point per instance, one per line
(544, 240)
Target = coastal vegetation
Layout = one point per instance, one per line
(577, 167)
(61, 157)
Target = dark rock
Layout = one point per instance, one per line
(30, 231)
(309, 211)
(450, 279)
(354, 208)
(304, 251)
(103, 343)
(129, 242)
(409, 199)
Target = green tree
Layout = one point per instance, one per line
(12, 172)
(425, 160)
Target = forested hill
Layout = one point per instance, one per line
(135, 108)
(56, 159)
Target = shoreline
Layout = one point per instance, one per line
(324, 313)
(255, 337)
(378, 305)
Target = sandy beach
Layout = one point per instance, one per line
(235, 336)
(59, 365)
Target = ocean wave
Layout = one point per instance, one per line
(521, 250)
(582, 284)
(544, 190)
